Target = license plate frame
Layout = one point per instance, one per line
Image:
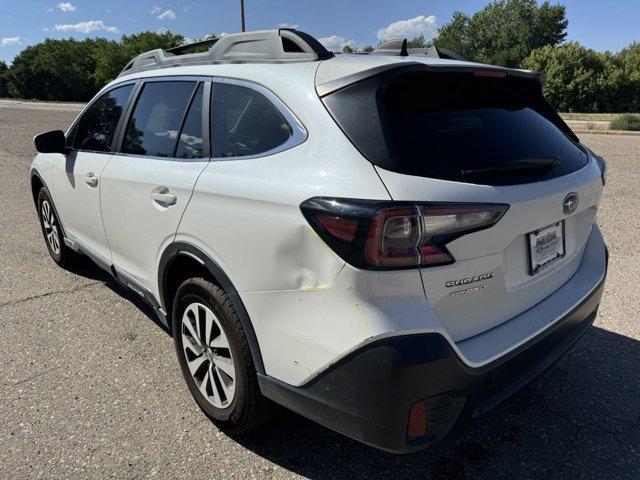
(538, 259)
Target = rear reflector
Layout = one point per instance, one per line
(390, 235)
(417, 426)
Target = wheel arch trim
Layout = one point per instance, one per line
(178, 249)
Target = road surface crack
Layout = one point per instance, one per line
(77, 288)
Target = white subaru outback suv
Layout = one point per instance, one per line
(388, 244)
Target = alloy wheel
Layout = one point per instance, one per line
(206, 350)
(50, 226)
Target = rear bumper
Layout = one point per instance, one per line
(368, 394)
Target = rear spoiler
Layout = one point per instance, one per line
(327, 88)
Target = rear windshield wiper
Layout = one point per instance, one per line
(516, 166)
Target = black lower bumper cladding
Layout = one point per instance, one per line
(368, 394)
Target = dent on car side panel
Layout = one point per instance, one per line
(301, 333)
(245, 212)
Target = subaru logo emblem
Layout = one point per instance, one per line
(570, 203)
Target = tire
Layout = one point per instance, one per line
(51, 231)
(231, 397)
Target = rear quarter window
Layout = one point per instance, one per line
(244, 122)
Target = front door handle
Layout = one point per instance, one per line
(164, 197)
(91, 179)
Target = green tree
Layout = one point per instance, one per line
(505, 31)
(629, 59)
(347, 49)
(368, 48)
(54, 70)
(4, 92)
(417, 42)
(111, 56)
(579, 79)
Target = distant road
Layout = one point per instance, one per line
(34, 105)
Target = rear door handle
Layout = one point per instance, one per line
(91, 179)
(164, 197)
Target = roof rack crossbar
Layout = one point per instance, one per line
(439, 52)
(396, 47)
(265, 46)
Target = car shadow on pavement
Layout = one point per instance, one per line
(85, 267)
(580, 419)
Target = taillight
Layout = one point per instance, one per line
(382, 235)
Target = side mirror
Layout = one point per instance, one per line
(51, 142)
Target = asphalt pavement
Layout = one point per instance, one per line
(90, 387)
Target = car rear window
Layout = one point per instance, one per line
(457, 126)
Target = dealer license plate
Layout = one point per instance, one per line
(546, 246)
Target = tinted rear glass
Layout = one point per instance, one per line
(244, 122)
(456, 126)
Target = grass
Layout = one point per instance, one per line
(590, 117)
(628, 121)
(603, 121)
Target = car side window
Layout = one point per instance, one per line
(97, 126)
(157, 117)
(244, 122)
(190, 141)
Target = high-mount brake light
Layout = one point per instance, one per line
(380, 235)
(490, 73)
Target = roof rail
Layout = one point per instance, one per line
(264, 46)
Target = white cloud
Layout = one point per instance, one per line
(67, 7)
(10, 41)
(410, 28)
(336, 43)
(167, 15)
(155, 10)
(288, 25)
(89, 26)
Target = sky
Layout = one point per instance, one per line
(599, 25)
